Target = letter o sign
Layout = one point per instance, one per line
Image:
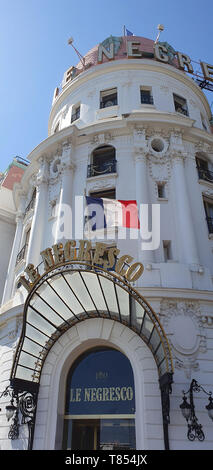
(134, 272)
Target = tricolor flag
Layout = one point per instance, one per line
(103, 213)
(129, 33)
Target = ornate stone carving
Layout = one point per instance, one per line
(179, 318)
(66, 162)
(107, 182)
(140, 141)
(101, 139)
(43, 172)
(189, 365)
(55, 165)
(207, 321)
(176, 148)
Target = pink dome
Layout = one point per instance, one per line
(91, 57)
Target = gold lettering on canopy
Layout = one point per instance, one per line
(100, 255)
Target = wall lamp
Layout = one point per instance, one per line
(188, 410)
(21, 410)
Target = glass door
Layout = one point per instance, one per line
(99, 434)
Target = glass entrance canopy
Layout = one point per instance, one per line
(73, 293)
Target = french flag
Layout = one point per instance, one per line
(103, 213)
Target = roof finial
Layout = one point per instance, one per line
(160, 28)
(82, 59)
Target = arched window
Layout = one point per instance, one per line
(100, 402)
(103, 161)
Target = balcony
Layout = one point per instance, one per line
(210, 224)
(205, 174)
(22, 253)
(31, 203)
(30, 206)
(102, 168)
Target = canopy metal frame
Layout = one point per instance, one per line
(129, 308)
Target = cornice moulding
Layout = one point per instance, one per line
(161, 292)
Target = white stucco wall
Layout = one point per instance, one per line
(180, 290)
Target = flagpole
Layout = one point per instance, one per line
(125, 37)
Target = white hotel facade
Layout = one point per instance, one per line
(126, 126)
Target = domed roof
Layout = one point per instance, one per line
(146, 46)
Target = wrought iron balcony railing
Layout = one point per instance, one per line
(21, 254)
(30, 205)
(102, 168)
(205, 174)
(109, 102)
(210, 224)
(181, 110)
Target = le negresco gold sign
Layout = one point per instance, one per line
(97, 255)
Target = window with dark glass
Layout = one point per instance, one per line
(75, 113)
(100, 402)
(204, 172)
(22, 253)
(108, 98)
(180, 105)
(208, 205)
(56, 128)
(103, 161)
(167, 250)
(108, 193)
(161, 190)
(146, 96)
(31, 203)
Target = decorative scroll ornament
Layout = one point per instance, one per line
(178, 318)
(23, 402)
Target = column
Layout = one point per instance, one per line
(15, 249)
(142, 197)
(63, 227)
(187, 241)
(142, 189)
(39, 226)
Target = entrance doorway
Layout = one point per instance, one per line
(101, 434)
(100, 402)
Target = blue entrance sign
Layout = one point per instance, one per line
(101, 382)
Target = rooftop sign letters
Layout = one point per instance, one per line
(162, 52)
(98, 256)
(137, 48)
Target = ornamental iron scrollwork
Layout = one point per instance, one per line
(195, 429)
(22, 408)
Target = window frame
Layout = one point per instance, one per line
(184, 110)
(109, 95)
(146, 91)
(76, 112)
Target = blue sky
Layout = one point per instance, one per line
(34, 53)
